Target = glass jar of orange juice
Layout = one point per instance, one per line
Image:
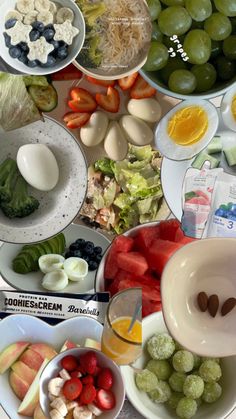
(120, 345)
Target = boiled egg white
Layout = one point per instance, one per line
(94, 131)
(38, 166)
(228, 108)
(187, 129)
(147, 109)
(115, 144)
(136, 131)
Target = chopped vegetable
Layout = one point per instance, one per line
(202, 157)
(35, 81)
(215, 146)
(230, 155)
(8, 176)
(45, 98)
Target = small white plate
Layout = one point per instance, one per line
(21, 327)
(173, 172)
(32, 281)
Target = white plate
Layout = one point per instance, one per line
(219, 410)
(32, 281)
(59, 207)
(173, 172)
(21, 327)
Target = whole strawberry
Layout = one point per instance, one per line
(105, 379)
(88, 362)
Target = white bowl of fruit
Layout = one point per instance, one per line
(168, 381)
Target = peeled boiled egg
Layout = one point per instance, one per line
(38, 166)
(186, 129)
(136, 131)
(115, 144)
(147, 109)
(94, 131)
(228, 109)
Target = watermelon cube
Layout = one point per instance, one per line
(132, 262)
(151, 294)
(149, 307)
(145, 237)
(160, 252)
(168, 229)
(123, 244)
(111, 267)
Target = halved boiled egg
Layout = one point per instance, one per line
(228, 108)
(186, 129)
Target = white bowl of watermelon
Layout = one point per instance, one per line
(137, 259)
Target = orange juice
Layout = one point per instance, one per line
(121, 346)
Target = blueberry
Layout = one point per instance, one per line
(7, 40)
(48, 34)
(98, 258)
(92, 265)
(34, 35)
(23, 46)
(39, 26)
(77, 253)
(15, 52)
(50, 62)
(63, 44)
(88, 249)
(74, 246)
(10, 23)
(33, 63)
(81, 242)
(49, 26)
(23, 58)
(86, 258)
(67, 255)
(55, 44)
(90, 244)
(97, 250)
(62, 52)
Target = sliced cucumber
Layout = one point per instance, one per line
(201, 158)
(215, 146)
(45, 98)
(230, 155)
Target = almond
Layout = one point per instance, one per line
(228, 306)
(213, 304)
(202, 300)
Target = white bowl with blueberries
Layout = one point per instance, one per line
(40, 36)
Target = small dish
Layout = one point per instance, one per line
(32, 281)
(221, 409)
(169, 148)
(74, 49)
(227, 106)
(53, 367)
(207, 265)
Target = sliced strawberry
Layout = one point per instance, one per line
(111, 101)
(75, 120)
(105, 83)
(127, 82)
(141, 89)
(69, 363)
(105, 379)
(88, 362)
(88, 379)
(88, 394)
(82, 100)
(68, 73)
(72, 388)
(75, 374)
(97, 371)
(105, 399)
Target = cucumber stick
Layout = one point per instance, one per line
(45, 98)
(215, 146)
(230, 155)
(202, 157)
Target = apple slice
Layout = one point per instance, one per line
(11, 354)
(18, 385)
(32, 359)
(91, 343)
(31, 398)
(23, 371)
(44, 350)
(38, 413)
(68, 345)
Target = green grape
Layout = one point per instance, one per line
(157, 57)
(174, 399)
(160, 346)
(210, 371)
(154, 8)
(216, 48)
(177, 380)
(197, 45)
(171, 44)
(174, 20)
(183, 361)
(226, 69)
(184, 82)
(172, 65)
(196, 358)
(212, 392)
(161, 393)
(146, 380)
(229, 47)
(206, 77)
(173, 2)
(199, 10)
(218, 26)
(207, 358)
(227, 7)
(160, 367)
(186, 408)
(156, 33)
(193, 386)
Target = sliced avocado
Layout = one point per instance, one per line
(47, 248)
(60, 244)
(54, 245)
(35, 253)
(40, 248)
(19, 266)
(28, 260)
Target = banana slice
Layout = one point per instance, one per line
(64, 374)
(82, 412)
(55, 385)
(42, 5)
(54, 414)
(13, 14)
(25, 6)
(55, 280)
(50, 262)
(60, 406)
(94, 409)
(45, 18)
(75, 268)
(30, 17)
(70, 406)
(52, 8)
(64, 14)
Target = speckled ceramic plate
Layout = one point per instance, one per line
(32, 281)
(59, 207)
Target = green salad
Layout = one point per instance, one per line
(126, 193)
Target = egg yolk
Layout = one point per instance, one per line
(188, 125)
(233, 107)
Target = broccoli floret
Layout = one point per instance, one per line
(21, 204)
(8, 176)
(90, 56)
(91, 11)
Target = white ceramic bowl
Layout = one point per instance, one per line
(59, 207)
(7, 5)
(53, 367)
(205, 265)
(219, 410)
(21, 327)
